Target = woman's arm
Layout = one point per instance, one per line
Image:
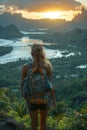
(24, 73)
(49, 73)
(53, 97)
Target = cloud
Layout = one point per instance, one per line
(43, 5)
(3, 1)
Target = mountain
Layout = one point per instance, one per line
(81, 18)
(10, 31)
(79, 21)
(27, 24)
(74, 36)
(56, 25)
(77, 35)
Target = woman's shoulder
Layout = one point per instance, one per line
(27, 65)
(49, 70)
(49, 65)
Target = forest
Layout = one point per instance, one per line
(71, 95)
(69, 80)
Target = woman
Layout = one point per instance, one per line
(39, 59)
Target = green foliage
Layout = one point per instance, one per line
(51, 122)
(71, 95)
(73, 123)
(19, 107)
(83, 109)
(25, 120)
(80, 97)
(60, 109)
(4, 99)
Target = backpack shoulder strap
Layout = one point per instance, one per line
(43, 71)
(45, 74)
(29, 64)
(31, 69)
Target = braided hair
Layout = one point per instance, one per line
(38, 55)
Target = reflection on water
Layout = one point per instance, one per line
(21, 50)
(82, 66)
(33, 32)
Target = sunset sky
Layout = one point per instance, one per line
(38, 9)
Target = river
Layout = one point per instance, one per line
(21, 50)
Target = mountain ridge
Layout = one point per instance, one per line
(54, 25)
(10, 31)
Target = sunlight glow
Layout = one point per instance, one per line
(66, 15)
(52, 15)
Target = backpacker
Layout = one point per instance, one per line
(37, 86)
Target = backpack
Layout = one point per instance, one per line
(37, 86)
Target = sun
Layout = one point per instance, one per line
(51, 15)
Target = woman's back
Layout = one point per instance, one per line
(39, 64)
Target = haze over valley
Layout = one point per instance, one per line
(52, 25)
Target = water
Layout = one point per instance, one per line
(82, 66)
(33, 32)
(22, 50)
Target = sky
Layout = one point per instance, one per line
(38, 9)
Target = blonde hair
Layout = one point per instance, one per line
(39, 57)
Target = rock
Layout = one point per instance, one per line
(8, 123)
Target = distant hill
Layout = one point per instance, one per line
(75, 36)
(56, 25)
(9, 32)
(27, 24)
(81, 18)
(79, 21)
